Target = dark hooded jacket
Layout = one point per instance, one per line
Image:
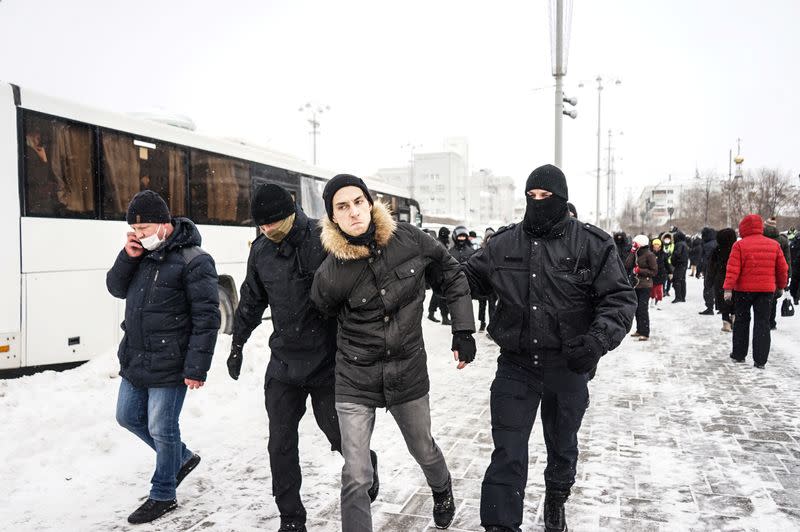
(680, 254)
(461, 251)
(303, 341)
(377, 293)
(172, 312)
(664, 267)
(696, 250)
(551, 289)
(717, 265)
(709, 237)
(622, 245)
(770, 231)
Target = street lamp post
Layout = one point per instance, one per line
(314, 110)
(600, 87)
(560, 18)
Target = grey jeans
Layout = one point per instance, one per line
(356, 423)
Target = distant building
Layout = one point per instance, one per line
(444, 188)
(656, 201)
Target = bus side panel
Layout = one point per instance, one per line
(10, 281)
(70, 317)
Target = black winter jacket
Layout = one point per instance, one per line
(696, 250)
(462, 252)
(709, 237)
(680, 255)
(171, 310)
(552, 289)
(717, 266)
(303, 341)
(377, 294)
(664, 267)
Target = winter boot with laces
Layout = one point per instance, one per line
(554, 518)
(151, 510)
(444, 507)
(290, 525)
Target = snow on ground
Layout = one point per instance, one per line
(677, 437)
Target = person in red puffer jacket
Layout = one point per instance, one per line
(756, 273)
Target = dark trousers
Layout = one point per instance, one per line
(679, 283)
(794, 285)
(667, 286)
(286, 404)
(760, 303)
(708, 292)
(642, 312)
(483, 302)
(773, 313)
(437, 302)
(515, 396)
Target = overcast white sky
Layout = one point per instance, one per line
(696, 74)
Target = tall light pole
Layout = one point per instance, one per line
(611, 183)
(599, 81)
(314, 110)
(560, 19)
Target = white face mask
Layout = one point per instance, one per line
(153, 241)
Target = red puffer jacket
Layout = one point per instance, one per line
(756, 263)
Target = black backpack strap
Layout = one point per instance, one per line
(190, 253)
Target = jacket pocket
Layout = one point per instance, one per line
(572, 323)
(164, 353)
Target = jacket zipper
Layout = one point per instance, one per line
(146, 301)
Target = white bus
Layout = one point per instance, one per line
(67, 173)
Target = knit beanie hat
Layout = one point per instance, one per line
(147, 207)
(271, 203)
(550, 178)
(341, 181)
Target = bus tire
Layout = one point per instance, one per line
(225, 311)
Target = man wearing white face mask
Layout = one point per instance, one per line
(171, 322)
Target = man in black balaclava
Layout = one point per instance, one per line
(564, 301)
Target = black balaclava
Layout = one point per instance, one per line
(542, 215)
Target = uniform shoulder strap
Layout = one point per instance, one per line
(596, 231)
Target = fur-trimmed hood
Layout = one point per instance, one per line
(334, 241)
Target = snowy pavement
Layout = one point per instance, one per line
(677, 437)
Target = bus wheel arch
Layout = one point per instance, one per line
(227, 303)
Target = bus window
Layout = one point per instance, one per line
(58, 168)
(131, 165)
(313, 205)
(220, 189)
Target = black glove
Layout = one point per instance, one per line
(583, 352)
(778, 293)
(235, 361)
(464, 343)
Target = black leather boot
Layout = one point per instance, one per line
(554, 518)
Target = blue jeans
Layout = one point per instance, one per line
(152, 415)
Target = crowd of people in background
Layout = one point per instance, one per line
(744, 270)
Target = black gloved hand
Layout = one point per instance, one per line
(778, 293)
(582, 352)
(464, 343)
(235, 361)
